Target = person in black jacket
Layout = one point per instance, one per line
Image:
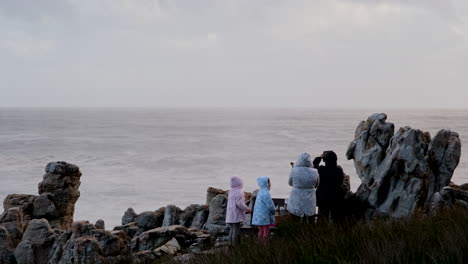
(329, 192)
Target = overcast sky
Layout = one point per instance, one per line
(234, 53)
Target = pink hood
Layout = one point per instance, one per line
(236, 183)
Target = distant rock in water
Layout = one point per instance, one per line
(401, 171)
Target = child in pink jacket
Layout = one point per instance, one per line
(236, 208)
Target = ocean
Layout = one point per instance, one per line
(148, 158)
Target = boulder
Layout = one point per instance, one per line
(60, 185)
(187, 215)
(111, 244)
(157, 237)
(171, 215)
(149, 220)
(23, 201)
(143, 257)
(24, 253)
(200, 217)
(129, 216)
(43, 207)
(100, 224)
(82, 250)
(38, 239)
(217, 213)
(6, 247)
(444, 156)
(170, 248)
(82, 229)
(130, 229)
(211, 193)
(12, 220)
(400, 172)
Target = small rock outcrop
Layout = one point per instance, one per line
(217, 213)
(401, 171)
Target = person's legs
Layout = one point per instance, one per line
(236, 233)
(231, 234)
(260, 233)
(266, 233)
(324, 212)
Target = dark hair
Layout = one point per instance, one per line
(330, 158)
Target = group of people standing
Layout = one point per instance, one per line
(313, 185)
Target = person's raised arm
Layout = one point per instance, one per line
(317, 161)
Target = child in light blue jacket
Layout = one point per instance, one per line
(264, 209)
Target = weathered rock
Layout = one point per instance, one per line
(130, 229)
(200, 217)
(110, 244)
(157, 237)
(217, 213)
(100, 224)
(6, 247)
(211, 193)
(395, 170)
(43, 207)
(444, 156)
(129, 216)
(171, 215)
(12, 220)
(38, 237)
(56, 252)
(170, 248)
(24, 253)
(61, 183)
(22, 201)
(149, 220)
(82, 229)
(144, 257)
(187, 215)
(82, 250)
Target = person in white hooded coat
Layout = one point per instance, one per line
(304, 179)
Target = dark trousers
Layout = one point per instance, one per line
(234, 233)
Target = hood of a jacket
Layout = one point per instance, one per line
(236, 182)
(303, 160)
(262, 182)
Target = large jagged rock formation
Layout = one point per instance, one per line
(58, 193)
(401, 171)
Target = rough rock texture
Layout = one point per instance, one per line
(171, 215)
(444, 156)
(60, 187)
(152, 239)
(129, 216)
(400, 172)
(211, 193)
(6, 247)
(100, 224)
(12, 220)
(37, 242)
(217, 213)
(130, 229)
(200, 217)
(58, 193)
(149, 220)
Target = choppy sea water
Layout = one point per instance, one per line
(148, 158)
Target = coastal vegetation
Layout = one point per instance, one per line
(442, 238)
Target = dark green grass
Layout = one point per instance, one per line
(419, 239)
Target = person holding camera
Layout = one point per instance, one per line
(330, 192)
